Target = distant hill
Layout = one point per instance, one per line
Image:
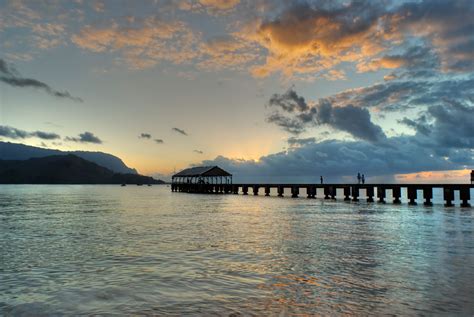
(64, 169)
(15, 151)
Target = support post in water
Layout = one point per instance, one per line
(309, 191)
(326, 192)
(280, 191)
(255, 190)
(355, 193)
(397, 194)
(465, 196)
(411, 195)
(370, 194)
(381, 194)
(267, 190)
(428, 195)
(347, 193)
(448, 195)
(295, 190)
(332, 192)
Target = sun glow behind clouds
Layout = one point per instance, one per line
(453, 177)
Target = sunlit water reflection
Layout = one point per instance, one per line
(69, 250)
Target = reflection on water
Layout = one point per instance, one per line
(68, 250)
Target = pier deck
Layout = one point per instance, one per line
(351, 192)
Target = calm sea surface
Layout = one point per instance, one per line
(108, 250)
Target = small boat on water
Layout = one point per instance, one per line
(123, 185)
(139, 184)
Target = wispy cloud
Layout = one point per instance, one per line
(198, 151)
(180, 131)
(86, 137)
(14, 133)
(11, 77)
(159, 141)
(144, 136)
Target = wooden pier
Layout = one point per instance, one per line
(351, 192)
(214, 180)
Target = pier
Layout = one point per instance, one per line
(350, 192)
(214, 180)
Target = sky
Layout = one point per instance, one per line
(269, 90)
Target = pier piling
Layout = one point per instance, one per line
(350, 191)
(355, 193)
(448, 195)
(347, 193)
(295, 190)
(428, 195)
(267, 190)
(381, 194)
(411, 194)
(370, 194)
(280, 191)
(397, 194)
(255, 190)
(326, 192)
(465, 196)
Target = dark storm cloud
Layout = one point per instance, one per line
(180, 131)
(353, 120)
(9, 76)
(289, 101)
(159, 141)
(356, 121)
(447, 25)
(290, 125)
(420, 124)
(86, 137)
(144, 136)
(338, 159)
(14, 133)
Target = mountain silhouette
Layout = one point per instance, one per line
(16, 151)
(64, 169)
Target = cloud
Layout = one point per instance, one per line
(159, 141)
(14, 133)
(337, 160)
(144, 136)
(314, 37)
(309, 39)
(293, 126)
(180, 131)
(299, 116)
(445, 127)
(289, 101)
(143, 44)
(296, 142)
(10, 76)
(198, 151)
(213, 7)
(86, 137)
(227, 52)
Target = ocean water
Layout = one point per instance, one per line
(144, 251)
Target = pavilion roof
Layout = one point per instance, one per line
(202, 171)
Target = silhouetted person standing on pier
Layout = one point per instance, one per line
(363, 179)
(358, 178)
(321, 179)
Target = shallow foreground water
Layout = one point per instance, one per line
(108, 250)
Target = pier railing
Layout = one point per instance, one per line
(351, 192)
